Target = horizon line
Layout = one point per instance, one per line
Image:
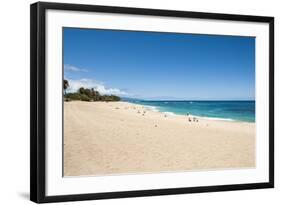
(188, 99)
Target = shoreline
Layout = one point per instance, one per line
(112, 138)
(155, 109)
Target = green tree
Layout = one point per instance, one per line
(86, 94)
(65, 85)
(81, 90)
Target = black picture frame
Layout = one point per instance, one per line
(38, 101)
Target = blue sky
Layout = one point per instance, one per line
(153, 65)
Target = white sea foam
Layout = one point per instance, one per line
(169, 113)
(151, 108)
(214, 118)
(200, 117)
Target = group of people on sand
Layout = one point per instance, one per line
(143, 112)
(192, 119)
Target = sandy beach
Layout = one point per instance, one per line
(118, 137)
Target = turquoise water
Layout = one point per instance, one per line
(224, 110)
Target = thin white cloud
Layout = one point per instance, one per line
(74, 85)
(74, 68)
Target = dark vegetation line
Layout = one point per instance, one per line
(87, 94)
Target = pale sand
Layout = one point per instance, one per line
(118, 137)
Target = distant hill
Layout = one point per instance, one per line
(128, 99)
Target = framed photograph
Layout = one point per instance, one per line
(129, 102)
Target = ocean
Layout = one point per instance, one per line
(219, 110)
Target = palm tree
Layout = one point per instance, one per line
(65, 85)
